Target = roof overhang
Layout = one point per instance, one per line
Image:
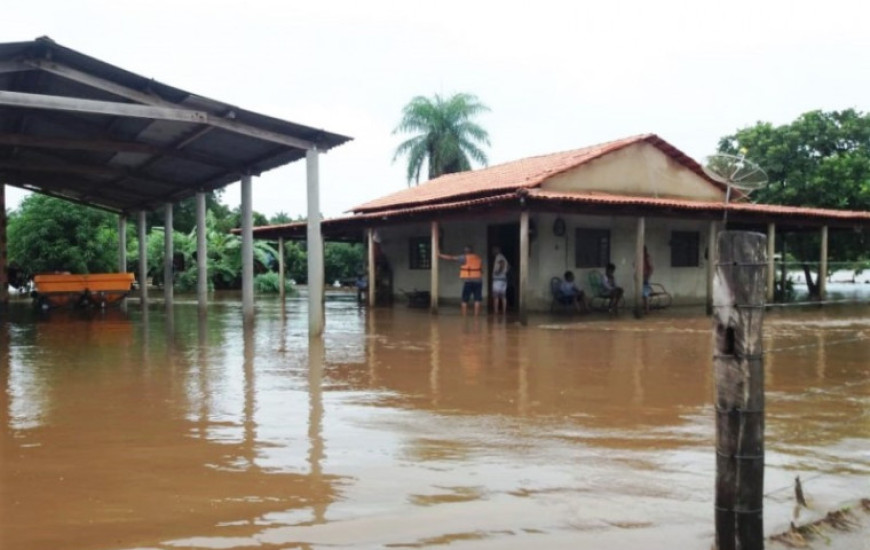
(788, 218)
(81, 129)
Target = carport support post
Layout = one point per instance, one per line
(771, 254)
(638, 268)
(282, 281)
(435, 249)
(201, 253)
(823, 266)
(524, 266)
(247, 250)
(4, 282)
(371, 288)
(738, 369)
(315, 247)
(122, 243)
(167, 254)
(143, 260)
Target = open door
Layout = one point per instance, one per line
(507, 237)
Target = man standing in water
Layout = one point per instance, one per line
(500, 269)
(471, 273)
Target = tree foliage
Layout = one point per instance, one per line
(446, 137)
(821, 159)
(46, 234)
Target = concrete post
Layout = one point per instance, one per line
(4, 281)
(823, 266)
(143, 260)
(771, 267)
(433, 301)
(315, 247)
(168, 254)
(282, 293)
(372, 272)
(201, 253)
(524, 267)
(247, 250)
(638, 267)
(122, 243)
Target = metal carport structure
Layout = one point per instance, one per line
(78, 128)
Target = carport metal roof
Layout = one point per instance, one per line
(81, 129)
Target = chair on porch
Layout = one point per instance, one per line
(599, 298)
(659, 297)
(559, 300)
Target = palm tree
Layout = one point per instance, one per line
(446, 137)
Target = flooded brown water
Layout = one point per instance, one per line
(132, 430)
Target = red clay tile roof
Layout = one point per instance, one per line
(525, 173)
(678, 204)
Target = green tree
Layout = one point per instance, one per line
(446, 136)
(342, 261)
(46, 234)
(821, 159)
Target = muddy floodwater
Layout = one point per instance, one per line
(164, 430)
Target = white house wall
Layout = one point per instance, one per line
(639, 169)
(552, 256)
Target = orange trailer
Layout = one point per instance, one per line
(98, 289)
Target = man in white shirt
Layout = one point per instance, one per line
(499, 281)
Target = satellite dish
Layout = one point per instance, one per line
(735, 172)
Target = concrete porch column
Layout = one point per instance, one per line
(372, 272)
(122, 243)
(201, 253)
(771, 263)
(524, 267)
(433, 287)
(282, 293)
(712, 231)
(168, 253)
(823, 265)
(316, 275)
(4, 281)
(143, 259)
(638, 267)
(247, 250)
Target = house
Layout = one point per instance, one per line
(576, 210)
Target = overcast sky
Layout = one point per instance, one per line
(557, 75)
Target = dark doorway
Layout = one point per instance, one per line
(507, 237)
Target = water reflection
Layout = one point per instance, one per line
(167, 428)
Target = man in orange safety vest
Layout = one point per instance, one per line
(471, 273)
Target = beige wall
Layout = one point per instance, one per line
(552, 256)
(640, 169)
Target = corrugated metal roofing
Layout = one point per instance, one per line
(520, 174)
(123, 163)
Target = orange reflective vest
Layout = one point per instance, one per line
(472, 268)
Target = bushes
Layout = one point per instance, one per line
(268, 283)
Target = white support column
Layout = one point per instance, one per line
(201, 253)
(122, 243)
(771, 262)
(372, 272)
(823, 266)
(524, 266)
(282, 293)
(711, 264)
(247, 249)
(167, 254)
(638, 267)
(315, 247)
(4, 282)
(143, 260)
(433, 302)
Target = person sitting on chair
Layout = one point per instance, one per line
(611, 289)
(570, 293)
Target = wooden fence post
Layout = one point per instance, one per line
(738, 365)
